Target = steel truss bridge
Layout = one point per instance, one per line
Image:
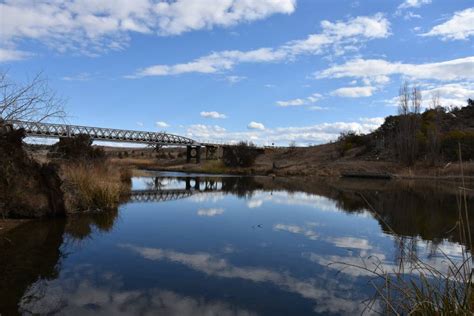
(98, 133)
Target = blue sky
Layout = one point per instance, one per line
(270, 71)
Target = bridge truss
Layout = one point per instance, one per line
(98, 133)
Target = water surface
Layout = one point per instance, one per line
(215, 245)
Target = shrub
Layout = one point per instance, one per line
(348, 140)
(78, 148)
(450, 147)
(241, 155)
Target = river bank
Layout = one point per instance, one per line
(317, 161)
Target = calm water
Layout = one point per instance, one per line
(197, 245)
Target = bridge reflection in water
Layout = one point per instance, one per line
(191, 186)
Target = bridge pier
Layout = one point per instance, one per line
(211, 152)
(193, 152)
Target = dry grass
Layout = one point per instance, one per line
(93, 186)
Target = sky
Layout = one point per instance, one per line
(266, 71)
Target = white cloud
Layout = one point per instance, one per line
(298, 102)
(7, 55)
(213, 115)
(318, 108)
(313, 134)
(410, 15)
(186, 15)
(256, 125)
(83, 76)
(140, 124)
(373, 120)
(340, 36)
(93, 27)
(294, 102)
(235, 79)
(354, 92)
(413, 4)
(451, 70)
(161, 124)
(459, 27)
(450, 94)
(210, 212)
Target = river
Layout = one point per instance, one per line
(185, 244)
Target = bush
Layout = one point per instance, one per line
(348, 140)
(450, 147)
(241, 155)
(78, 148)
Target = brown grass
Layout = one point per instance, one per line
(93, 186)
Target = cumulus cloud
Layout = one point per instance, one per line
(96, 26)
(459, 27)
(413, 4)
(303, 135)
(161, 124)
(371, 69)
(354, 92)
(213, 115)
(451, 94)
(336, 35)
(256, 125)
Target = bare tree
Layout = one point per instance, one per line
(33, 100)
(404, 99)
(415, 100)
(409, 108)
(435, 100)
